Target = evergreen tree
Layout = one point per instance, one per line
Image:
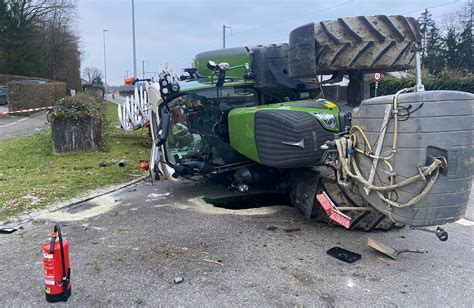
(451, 51)
(434, 57)
(426, 22)
(466, 43)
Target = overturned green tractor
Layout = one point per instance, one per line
(256, 116)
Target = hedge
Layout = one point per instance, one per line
(5, 78)
(390, 85)
(33, 95)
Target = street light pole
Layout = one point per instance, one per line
(105, 63)
(143, 69)
(134, 45)
(223, 34)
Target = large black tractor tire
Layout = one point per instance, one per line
(306, 185)
(367, 43)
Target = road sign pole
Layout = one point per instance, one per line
(376, 77)
(134, 44)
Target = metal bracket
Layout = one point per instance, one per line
(439, 232)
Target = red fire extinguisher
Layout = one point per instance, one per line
(57, 274)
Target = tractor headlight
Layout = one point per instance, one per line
(175, 87)
(328, 119)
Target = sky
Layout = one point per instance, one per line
(171, 32)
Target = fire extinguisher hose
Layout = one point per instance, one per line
(66, 276)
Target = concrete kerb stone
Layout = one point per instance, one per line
(25, 218)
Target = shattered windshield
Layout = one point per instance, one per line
(198, 126)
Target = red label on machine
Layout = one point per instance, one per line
(332, 211)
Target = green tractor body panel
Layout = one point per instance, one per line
(236, 57)
(242, 131)
(187, 87)
(284, 135)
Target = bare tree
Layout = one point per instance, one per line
(92, 74)
(60, 43)
(30, 11)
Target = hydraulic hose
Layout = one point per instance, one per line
(341, 145)
(395, 116)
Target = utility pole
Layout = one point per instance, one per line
(134, 45)
(223, 34)
(105, 63)
(143, 69)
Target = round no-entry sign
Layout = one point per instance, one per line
(377, 77)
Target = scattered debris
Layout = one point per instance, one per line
(103, 163)
(97, 268)
(38, 222)
(272, 228)
(33, 199)
(158, 196)
(291, 230)
(343, 254)
(387, 250)
(178, 280)
(161, 205)
(122, 163)
(85, 227)
(9, 230)
(440, 233)
(219, 262)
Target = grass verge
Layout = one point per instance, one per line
(31, 176)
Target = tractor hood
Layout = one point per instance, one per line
(265, 65)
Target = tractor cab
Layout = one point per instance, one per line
(214, 111)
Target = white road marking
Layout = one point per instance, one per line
(14, 123)
(6, 125)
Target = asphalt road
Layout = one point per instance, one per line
(127, 247)
(119, 100)
(14, 126)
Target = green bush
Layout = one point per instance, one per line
(80, 106)
(390, 85)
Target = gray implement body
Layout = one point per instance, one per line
(444, 125)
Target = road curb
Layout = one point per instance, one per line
(25, 218)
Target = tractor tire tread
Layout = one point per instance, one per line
(368, 43)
